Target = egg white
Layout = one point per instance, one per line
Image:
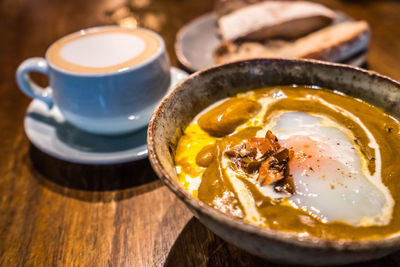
(333, 182)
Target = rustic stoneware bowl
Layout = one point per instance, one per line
(203, 88)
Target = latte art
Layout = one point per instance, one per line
(103, 50)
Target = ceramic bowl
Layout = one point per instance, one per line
(203, 88)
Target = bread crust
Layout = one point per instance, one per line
(334, 43)
(272, 19)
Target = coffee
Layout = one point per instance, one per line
(104, 80)
(103, 50)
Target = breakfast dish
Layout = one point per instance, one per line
(49, 132)
(205, 42)
(281, 231)
(287, 229)
(297, 159)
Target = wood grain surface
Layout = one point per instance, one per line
(54, 213)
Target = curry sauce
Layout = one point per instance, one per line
(201, 149)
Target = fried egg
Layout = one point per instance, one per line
(330, 173)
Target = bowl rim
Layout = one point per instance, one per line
(291, 238)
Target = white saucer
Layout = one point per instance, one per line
(49, 132)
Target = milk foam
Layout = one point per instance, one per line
(102, 50)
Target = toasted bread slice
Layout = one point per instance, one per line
(272, 19)
(334, 43)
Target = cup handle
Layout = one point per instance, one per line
(30, 88)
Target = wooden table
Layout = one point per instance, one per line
(58, 213)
